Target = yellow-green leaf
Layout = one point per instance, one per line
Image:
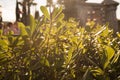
(45, 12)
(22, 29)
(60, 17)
(109, 54)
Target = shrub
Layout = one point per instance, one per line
(54, 49)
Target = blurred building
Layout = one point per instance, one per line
(101, 13)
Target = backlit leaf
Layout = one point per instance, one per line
(109, 54)
(45, 12)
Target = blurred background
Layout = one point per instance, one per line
(8, 8)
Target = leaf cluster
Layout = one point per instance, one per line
(54, 49)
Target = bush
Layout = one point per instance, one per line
(54, 49)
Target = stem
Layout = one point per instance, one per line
(50, 20)
(30, 73)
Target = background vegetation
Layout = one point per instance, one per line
(54, 49)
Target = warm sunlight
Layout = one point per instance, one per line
(59, 40)
(9, 8)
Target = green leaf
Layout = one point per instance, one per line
(100, 31)
(3, 58)
(22, 28)
(32, 24)
(118, 34)
(45, 12)
(56, 12)
(60, 17)
(3, 43)
(73, 73)
(116, 57)
(97, 72)
(70, 54)
(44, 61)
(109, 54)
(105, 32)
(47, 63)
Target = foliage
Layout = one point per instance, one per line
(54, 49)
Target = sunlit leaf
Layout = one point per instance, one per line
(116, 57)
(44, 61)
(56, 12)
(118, 34)
(45, 12)
(105, 32)
(3, 43)
(109, 54)
(70, 52)
(32, 24)
(22, 27)
(97, 72)
(60, 17)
